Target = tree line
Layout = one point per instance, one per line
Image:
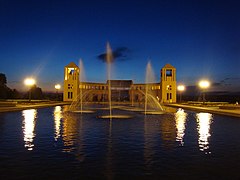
(8, 93)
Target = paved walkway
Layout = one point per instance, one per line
(20, 107)
(210, 109)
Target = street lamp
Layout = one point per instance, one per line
(204, 84)
(180, 88)
(29, 82)
(57, 87)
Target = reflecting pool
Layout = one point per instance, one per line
(52, 143)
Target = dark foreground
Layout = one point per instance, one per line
(49, 143)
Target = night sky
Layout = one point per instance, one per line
(201, 38)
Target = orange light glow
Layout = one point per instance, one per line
(29, 81)
(204, 84)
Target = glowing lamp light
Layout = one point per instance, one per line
(181, 88)
(29, 81)
(204, 84)
(57, 86)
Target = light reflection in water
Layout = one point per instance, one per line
(57, 121)
(70, 131)
(204, 121)
(150, 131)
(109, 157)
(29, 121)
(168, 131)
(180, 117)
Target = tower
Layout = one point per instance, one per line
(168, 84)
(71, 82)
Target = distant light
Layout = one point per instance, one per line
(29, 81)
(57, 86)
(181, 88)
(204, 84)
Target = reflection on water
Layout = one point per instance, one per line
(70, 131)
(204, 121)
(143, 147)
(180, 117)
(109, 157)
(57, 121)
(29, 121)
(168, 130)
(151, 134)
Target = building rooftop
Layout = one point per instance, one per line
(72, 65)
(169, 66)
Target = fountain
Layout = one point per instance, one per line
(150, 100)
(152, 105)
(81, 103)
(109, 60)
(82, 99)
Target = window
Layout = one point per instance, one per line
(169, 72)
(70, 94)
(70, 86)
(169, 87)
(70, 71)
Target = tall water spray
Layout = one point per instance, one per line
(81, 79)
(149, 78)
(109, 58)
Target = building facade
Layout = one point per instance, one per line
(121, 90)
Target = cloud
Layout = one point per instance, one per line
(119, 54)
(227, 82)
(216, 84)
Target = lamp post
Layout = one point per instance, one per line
(180, 88)
(204, 84)
(57, 87)
(29, 82)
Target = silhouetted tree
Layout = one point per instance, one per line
(3, 79)
(3, 93)
(4, 90)
(15, 94)
(36, 92)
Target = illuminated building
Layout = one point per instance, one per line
(121, 90)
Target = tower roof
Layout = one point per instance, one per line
(169, 66)
(72, 65)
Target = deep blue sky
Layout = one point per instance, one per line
(201, 38)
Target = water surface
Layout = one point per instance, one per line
(50, 143)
